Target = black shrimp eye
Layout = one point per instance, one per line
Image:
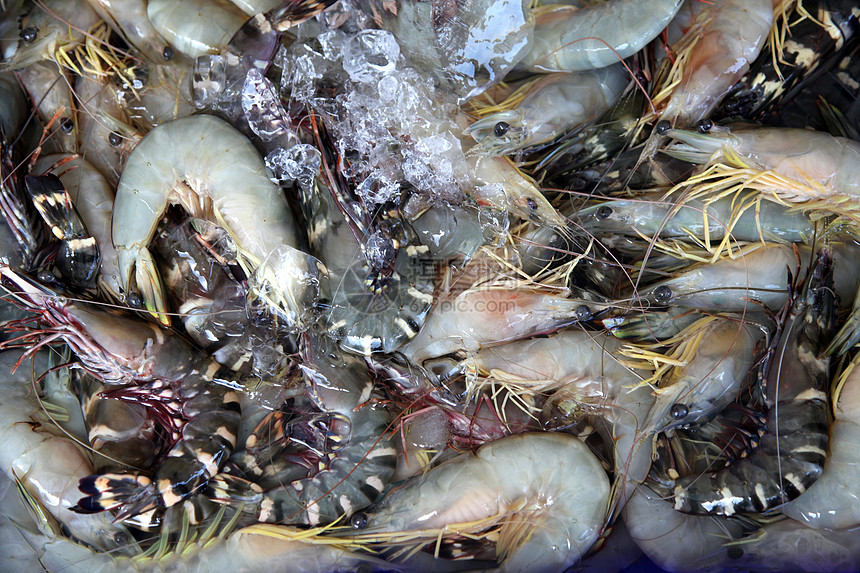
(532, 204)
(121, 538)
(704, 126)
(662, 127)
(45, 276)
(67, 125)
(134, 300)
(604, 212)
(501, 128)
(167, 53)
(114, 138)
(735, 552)
(28, 35)
(583, 312)
(662, 294)
(358, 521)
(680, 411)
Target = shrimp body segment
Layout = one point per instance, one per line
(567, 39)
(204, 164)
(816, 164)
(559, 481)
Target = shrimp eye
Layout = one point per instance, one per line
(583, 312)
(167, 53)
(359, 520)
(735, 552)
(28, 35)
(501, 128)
(680, 411)
(532, 204)
(704, 126)
(604, 212)
(67, 125)
(134, 300)
(114, 138)
(121, 538)
(662, 127)
(45, 277)
(662, 294)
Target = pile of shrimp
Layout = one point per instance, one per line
(398, 285)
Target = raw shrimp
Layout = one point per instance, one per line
(553, 106)
(93, 199)
(479, 318)
(187, 391)
(165, 95)
(791, 546)
(568, 39)
(195, 27)
(51, 93)
(697, 391)
(799, 165)
(48, 466)
(50, 31)
(673, 540)
(352, 477)
(585, 371)
(128, 17)
(755, 278)
(745, 217)
(548, 489)
(724, 40)
(106, 137)
(216, 173)
(792, 449)
(259, 548)
(831, 502)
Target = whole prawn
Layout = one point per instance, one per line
(211, 169)
(558, 509)
(792, 451)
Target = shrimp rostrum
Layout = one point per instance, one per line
(215, 173)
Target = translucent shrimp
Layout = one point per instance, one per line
(51, 93)
(746, 217)
(723, 42)
(568, 39)
(479, 318)
(792, 450)
(50, 31)
(49, 467)
(552, 512)
(129, 18)
(697, 391)
(811, 168)
(215, 173)
(731, 284)
(106, 137)
(584, 370)
(195, 27)
(553, 106)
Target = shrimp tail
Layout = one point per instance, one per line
(135, 494)
(147, 280)
(78, 259)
